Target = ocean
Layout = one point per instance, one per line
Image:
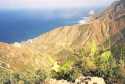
(20, 25)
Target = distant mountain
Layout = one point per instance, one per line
(106, 30)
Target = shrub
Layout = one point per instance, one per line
(4, 76)
(65, 71)
(34, 77)
(69, 75)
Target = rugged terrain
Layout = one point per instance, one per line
(106, 31)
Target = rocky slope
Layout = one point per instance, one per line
(58, 44)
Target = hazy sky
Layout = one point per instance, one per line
(15, 4)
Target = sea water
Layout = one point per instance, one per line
(20, 25)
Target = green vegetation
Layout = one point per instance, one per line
(7, 77)
(93, 63)
(108, 64)
(65, 72)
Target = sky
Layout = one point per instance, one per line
(30, 4)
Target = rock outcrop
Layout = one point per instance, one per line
(90, 80)
(80, 80)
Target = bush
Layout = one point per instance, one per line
(105, 65)
(70, 75)
(4, 76)
(40, 76)
(27, 77)
(65, 71)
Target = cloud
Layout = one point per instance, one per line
(50, 3)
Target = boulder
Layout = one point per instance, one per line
(89, 80)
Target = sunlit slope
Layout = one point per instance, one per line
(104, 31)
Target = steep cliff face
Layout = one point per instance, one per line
(44, 50)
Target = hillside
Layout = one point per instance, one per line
(62, 41)
(105, 31)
